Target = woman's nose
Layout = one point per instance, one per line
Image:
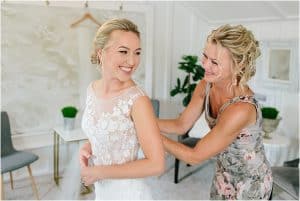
(205, 63)
(130, 59)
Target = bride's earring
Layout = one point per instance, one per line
(99, 61)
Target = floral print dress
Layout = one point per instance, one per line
(242, 170)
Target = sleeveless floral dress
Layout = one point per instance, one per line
(242, 170)
(113, 138)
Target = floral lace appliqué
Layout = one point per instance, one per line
(110, 128)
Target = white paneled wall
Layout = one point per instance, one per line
(174, 31)
(163, 43)
(286, 99)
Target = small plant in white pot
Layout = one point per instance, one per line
(69, 114)
(270, 120)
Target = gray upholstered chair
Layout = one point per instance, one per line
(287, 178)
(12, 159)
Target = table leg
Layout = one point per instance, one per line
(56, 157)
(2, 188)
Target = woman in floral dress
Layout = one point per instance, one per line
(233, 114)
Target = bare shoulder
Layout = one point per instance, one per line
(142, 103)
(241, 113)
(142, 110)
(142, 99)
(242, 108)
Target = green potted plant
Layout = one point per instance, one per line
(69, 114)
(194, 73)
(270, 120)
(269, 112)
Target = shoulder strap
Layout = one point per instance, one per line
(135, 92)
(245, 99)
(207, 88)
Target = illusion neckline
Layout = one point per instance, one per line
(121, 93)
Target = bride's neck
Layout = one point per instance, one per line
(113, 86)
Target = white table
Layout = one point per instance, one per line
(68, 136)
(277, 148)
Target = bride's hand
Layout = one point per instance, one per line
(84, 154)
(89, 175)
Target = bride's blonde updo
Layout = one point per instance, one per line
(244, 49)
(103, 34)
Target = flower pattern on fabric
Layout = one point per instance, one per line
(242, 170)
(109, 127)
(112, 134)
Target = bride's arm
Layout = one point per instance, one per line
(150, 140)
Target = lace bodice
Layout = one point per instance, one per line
(109, 127)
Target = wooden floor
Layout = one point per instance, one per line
(194, 185)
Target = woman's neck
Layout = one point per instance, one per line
(113, 86)
(230, 91)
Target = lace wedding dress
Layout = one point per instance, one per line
(113, 138)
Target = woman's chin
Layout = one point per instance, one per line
(125, 78)
(209, 79)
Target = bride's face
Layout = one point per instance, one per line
(121, 56)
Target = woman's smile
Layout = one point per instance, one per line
(126, 69)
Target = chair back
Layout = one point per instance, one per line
(6, 142)
(155, 104)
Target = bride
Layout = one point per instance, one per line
(119, 119)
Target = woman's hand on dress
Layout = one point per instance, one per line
(84, 154)
(89, 175)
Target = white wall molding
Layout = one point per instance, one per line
(167, 62)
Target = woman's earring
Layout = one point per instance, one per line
(99, 63)
(99, 58)
(234, 81)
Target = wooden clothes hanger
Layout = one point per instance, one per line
(86, 16)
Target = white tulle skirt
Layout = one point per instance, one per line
(122, 189)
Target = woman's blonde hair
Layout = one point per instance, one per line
(244, 49)
(103, 34)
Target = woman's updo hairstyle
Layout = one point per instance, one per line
(103, 34)
(244, 49)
